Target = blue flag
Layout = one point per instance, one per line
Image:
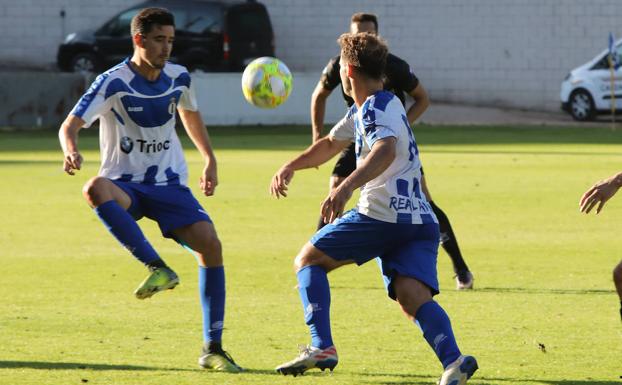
(613, 53)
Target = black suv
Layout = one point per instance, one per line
(209, 35)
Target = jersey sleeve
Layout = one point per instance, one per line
(188, 98)
(330, 78)
(405, 77)
(344, 129)
(377, 125)
(93, 103)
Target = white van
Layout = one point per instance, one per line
(586, 90)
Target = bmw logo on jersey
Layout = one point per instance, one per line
(127, 144)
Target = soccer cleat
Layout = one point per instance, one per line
(219, 361)
(459, 371)
(464, 280)
(310, 357)
(160, 279)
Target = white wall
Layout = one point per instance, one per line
(221, 102)
(490, 52)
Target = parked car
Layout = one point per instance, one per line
(209, 35)
(586, 90)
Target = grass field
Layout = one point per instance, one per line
(544, 310)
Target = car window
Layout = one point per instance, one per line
(249, 23)
(202, 20)
(120, 25)
(603, 63)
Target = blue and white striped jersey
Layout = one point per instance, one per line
(395, 195)
(137, 135)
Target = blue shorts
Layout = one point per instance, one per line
(403, 249)
(171, 206)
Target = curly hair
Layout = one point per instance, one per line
(366, 52)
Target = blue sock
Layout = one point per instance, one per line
(212, 293)
(125, 229)
(315, 295)
(436, 328)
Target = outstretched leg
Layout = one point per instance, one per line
(312, 266)
(201, 239)
(415, 299)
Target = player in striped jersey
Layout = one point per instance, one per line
(392, 219)
(143, 172)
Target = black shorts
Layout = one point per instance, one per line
(346, 163)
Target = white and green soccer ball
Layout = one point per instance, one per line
(266, 82)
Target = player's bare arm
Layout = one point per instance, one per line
(422, 102)
(318, 110)
(600, 193)
(193, 123)
(379, 159)
(68, 136)
(317, 154)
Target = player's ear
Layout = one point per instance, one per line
(350, 71)
(138, 40)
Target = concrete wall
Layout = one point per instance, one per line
(490, 52)
(38, 99)
(51, 96)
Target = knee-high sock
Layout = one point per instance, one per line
(212, 293)
(315, 295)
(448, 240)
(125, 229)
(436, 328)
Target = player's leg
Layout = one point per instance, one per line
(111, 203)
(312, 266)
(411, 279)
(202, 240)
(415, 299)
(464, 278)
(617, 280)
(345, 165)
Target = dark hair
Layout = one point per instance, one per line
(361, 17)
(366, 52)
(144, 21)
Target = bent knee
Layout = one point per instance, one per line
(617, 273)
(96, 190)
(307, 256)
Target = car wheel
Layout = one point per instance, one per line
(582, 106)
(83, 62)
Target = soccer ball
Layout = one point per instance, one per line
(266, 82)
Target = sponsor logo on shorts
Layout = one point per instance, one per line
(135, 109)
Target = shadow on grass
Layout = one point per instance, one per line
(80, 366)
(102, 367)
(521, 290)
(413, 379)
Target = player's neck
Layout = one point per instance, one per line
(363, 88)
(144, 69)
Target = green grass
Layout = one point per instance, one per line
(543, 271)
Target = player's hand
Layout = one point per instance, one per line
(332, 207)
(72, 162)
(209, 179)
(599, 194)
(280, 180)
